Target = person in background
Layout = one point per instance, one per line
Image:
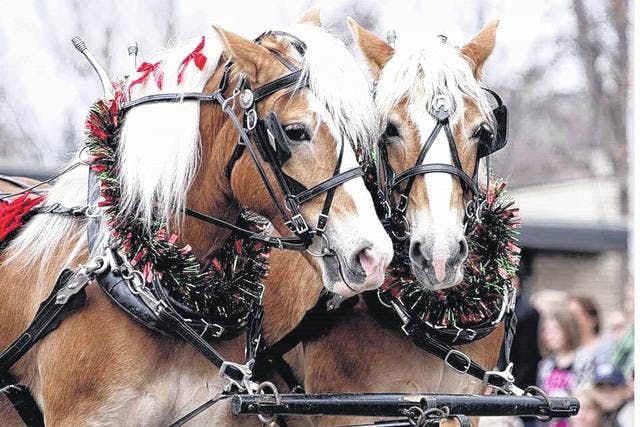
(524, 353)
(614, 395)
(593, 348)
(559, 339)
(622, 351)
(547, 299)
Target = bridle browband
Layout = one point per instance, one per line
(265, 138)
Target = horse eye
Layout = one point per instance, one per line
(297, 132)
(484, 133)
(391, 131)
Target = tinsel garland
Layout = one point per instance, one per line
(493, 260)
(494, 256)
(223, 288)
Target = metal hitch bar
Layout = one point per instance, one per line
(397, 404)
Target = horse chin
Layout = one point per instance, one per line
(429, 283)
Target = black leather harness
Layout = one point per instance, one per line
(389, 181)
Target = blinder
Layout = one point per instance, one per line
(272, 141)
(499, 140)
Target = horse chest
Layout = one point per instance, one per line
(163, 399)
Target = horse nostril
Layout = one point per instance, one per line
(463, 251)
(416, 255)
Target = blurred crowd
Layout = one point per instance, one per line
(564, 346)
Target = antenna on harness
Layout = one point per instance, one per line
(133, 57)
(81, 46)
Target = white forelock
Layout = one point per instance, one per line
(422, 69)
(160, 143)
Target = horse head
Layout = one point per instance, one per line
(305, 107)
(438, 124)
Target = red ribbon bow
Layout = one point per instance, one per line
(147, 69)
(199, 59)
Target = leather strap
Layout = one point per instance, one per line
(333, 182)
(48, 317)
(291, 243)
(437, 168)
(58, 305)
(22, 400)
(280, 83)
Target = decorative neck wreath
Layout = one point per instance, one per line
(223, 289)
(480, 301)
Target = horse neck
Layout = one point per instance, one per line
(292, 287)
(211, 192)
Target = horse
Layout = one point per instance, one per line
(359, 353)
(99, 367)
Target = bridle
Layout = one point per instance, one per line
(389, 181)
(264, 138)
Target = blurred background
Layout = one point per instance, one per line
(563, 68)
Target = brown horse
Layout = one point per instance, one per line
(360, 354)
(102, 368)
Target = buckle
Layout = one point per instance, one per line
(212, 328)
(460, 354)
(322, 223)
(466, 334)
(239, 376)
(299, 224)
(403, 203)
(507, 377)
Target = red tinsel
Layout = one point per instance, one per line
(12, 212)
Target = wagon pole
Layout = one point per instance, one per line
(397, 404)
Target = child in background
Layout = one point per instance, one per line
(559, 338)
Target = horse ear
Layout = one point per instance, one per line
(480, 47)
(249, 56)
(375, 50)
(311, 17)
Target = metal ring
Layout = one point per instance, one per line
(407, 234)
(538, 392)
(93, 211)
(231, 99)
(326, 250)
(80, 159)
(385, 304)
(267, 385)
(252, 119)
